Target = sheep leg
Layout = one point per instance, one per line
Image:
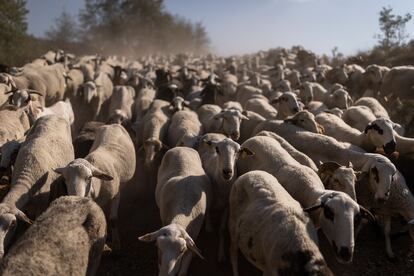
(387, 232)
(185, 263)
(222, 230)
(113, 221)
(234, 258)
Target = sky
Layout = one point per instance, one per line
(247, 26)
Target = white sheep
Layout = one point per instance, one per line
(48, 145)
(226, 121)
(67, 239)
(271, 229)
(184, 129)
(182, 195)
(109, 164)
(121, 104)
(304, 185)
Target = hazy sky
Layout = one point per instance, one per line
(244, 26)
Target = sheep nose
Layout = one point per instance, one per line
(390, 147)
(227, 173)
(235, 136)
(345, 254)
(381, 200)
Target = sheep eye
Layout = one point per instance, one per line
(217, 150)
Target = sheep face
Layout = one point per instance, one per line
(231, 120)
(20, 98)
(90, 90)
(78, 177)
(306, 120)
(118, 117)
(381, 134)
(381, 175)
(226, 152)
(338, 178)
(178, 104)
(341, 99)
(372, 76)
(173, 244)
(8, 222)
(337, 222)
(287, 104)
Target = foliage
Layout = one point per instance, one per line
(393, 29)
(13, 28)
(64, 31)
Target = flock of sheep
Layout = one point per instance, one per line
(262, 150)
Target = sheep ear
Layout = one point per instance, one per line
(275, 100)
(192, 247)
(20, 215)
(244, 152)
(150, 237)
(59, 170)
(101, 175)
(350, 165)
(359, 175)
(366, 214)
(218, 115)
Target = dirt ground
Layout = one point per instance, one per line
(139, 215)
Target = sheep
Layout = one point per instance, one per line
(184, 129)
(297, 155)
(154, 128)
(214, 119)
(62, 109)
(27, 80)
(305, 120)
(67, 239)
(400, 202)
(325, 148)
(339, 178)
(246, 92)
(247, 126)
(109, 164)
(377, 109)
(398, 83)
(233, 105)
(304, 185)
(377, 134)
(182, 195)
(316, 107)
(13, 123)
(339, 98)
(143, 102)
(358, 116)
(120, 106)
(262, 215)
(22, 97)
(371, 80)
(74, 80)
(47, 145)
(178, 103)
(312, 91)
(218, 155)
(97, 92)
(262, 107)
(286, 105)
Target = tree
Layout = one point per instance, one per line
(64, 31)
(136, 27)
(13, 27)
(393, 29)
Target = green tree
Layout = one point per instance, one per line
(393, 29)
(64, 31)
(13, 27)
